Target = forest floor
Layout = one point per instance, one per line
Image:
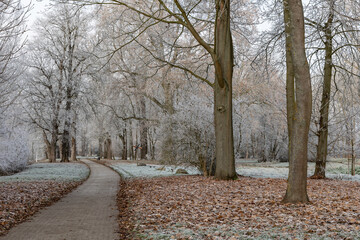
(40, 185)
(195, 207)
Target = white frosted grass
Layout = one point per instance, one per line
(282, 172)
(278, 170)
(131, 170)
(263, 172)
(346, 177)
(50, 171)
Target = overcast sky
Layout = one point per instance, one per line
(38, 7)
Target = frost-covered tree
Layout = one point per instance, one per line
(14, 143)
(13, 146)
(12, 20)
(60, 58)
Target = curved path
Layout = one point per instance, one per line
(89, 212)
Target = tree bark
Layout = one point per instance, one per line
(322, 147)
(167, 147)
(123, 139)
(108, 153)
(100, 146)
(224, 61)
(298, 114)
(50, 147)
(65, 146)
(73, 149)
(353, 157)
(143, 130)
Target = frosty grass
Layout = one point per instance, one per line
(50, 171)
(131, 170)
(275, 170)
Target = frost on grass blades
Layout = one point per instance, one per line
(133, 171)
(50, 171)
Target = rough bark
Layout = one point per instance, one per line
(73, 149)
(223, 59)
(143, 130)
(124, 144)
(299, 114)
(50, 147)
(108, 153)
(322, 146)
(353, 158)
(167, 148)
(65, 145)
(131, 143)
(100, 148)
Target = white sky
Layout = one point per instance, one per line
(38, 8)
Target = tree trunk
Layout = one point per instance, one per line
(299, 110)
(224, 61)
(65, 146)
(60, 149)
(73, 149)
(167, 147)
(124, 144)
(131, 143)
(353, 157)
(108, 153)
(50, 147)
(143, 130)
(67, 125)
(100, 146)
(322, 146)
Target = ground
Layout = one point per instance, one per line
(195, 207)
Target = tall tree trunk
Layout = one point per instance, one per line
(50, 147)
(123, 139)
(108, 153)
(167, 147)
(224, 61)
(131, 142)
(322, 146)
(300, 113)
(143, 130)
(73, 149)
(60, 149)
(353, 157)
(67, 125)
(100, 146)
(65, 146)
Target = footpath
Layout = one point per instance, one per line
(89, 212)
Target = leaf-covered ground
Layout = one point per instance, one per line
(19, 200)
(194, 207)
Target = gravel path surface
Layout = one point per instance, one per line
(89, 212)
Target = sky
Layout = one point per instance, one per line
(37, 9)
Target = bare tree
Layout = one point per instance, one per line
(12, 27)
(221, 52)
(58, 62)
(299, 101)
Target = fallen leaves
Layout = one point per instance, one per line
(19, 200)
(194, 207)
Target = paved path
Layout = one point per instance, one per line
(89, 212)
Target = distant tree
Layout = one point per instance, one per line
(12, 27)
(59, 64)
(13, 135)
(221, 53)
